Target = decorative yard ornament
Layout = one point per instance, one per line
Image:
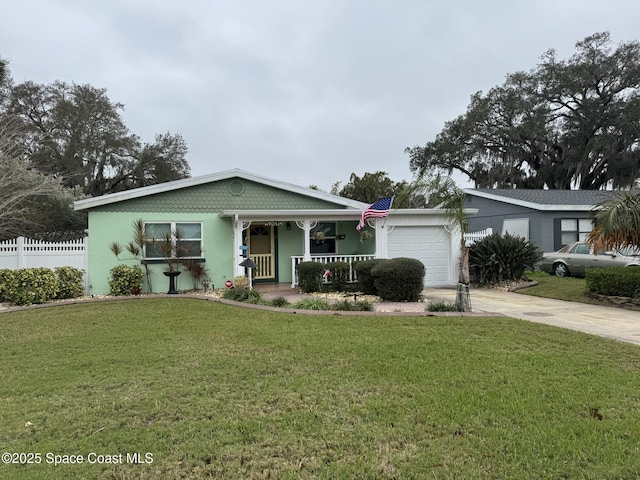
(249, 264)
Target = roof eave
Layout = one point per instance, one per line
(195, 181)
(531, 205)
(327, 214)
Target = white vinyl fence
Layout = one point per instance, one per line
(473, 237)
(28, 253)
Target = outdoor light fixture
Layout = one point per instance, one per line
(249, 264)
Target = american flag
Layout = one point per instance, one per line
(377, 209)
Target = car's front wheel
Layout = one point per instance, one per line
(560, 270)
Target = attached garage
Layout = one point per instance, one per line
(426, 235)
(430, 245)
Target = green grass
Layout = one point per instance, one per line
(567, 288)
(549, 286)
(218, 391)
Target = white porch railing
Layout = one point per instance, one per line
(473, 237)
(350, 259)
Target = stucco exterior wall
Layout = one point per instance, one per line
(107, 227)
(202, 203)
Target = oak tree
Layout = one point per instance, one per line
(564, 124)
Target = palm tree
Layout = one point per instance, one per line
(616, 222)
(443, 192)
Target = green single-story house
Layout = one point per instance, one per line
(226, 216)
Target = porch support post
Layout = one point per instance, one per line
(306, 226)
(382, 248)
(237, 239)
(238, 227)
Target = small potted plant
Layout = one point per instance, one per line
(365, 235)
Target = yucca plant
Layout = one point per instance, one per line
(497, 258)
(135, 248)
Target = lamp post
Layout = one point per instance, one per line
(249, 265)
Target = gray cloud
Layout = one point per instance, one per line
(307, 92)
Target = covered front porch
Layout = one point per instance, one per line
(277, 241)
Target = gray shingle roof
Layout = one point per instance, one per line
(549, 197)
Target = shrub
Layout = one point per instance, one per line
(312, 304)
(614, 281)
(349, 306)
(125, 280)
(199, 272)
(6, 276)
(399, 279)
(30, 285)
(497, 258)
(363, 274)
(443, 307)
(280, 302)
(339, 275)
(310, 276)
(247, 295)
(69, 282)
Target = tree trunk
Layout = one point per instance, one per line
(463, 299)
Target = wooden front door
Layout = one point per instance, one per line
(261, 243)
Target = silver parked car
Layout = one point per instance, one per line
(575, 258)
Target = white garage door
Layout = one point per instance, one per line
(430, 245)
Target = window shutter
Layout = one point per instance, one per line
(557, 234)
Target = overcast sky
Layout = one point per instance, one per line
(303, 91)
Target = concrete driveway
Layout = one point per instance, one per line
(610, 322)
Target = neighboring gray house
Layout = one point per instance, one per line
(549, 218)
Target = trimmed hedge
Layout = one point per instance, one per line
(339, 276)
(26, 286)
(399, 279)
(614, 281)
(69, 282)
(6, 276)
(363, 274)
(498, 258)
(125, 280)
(310, 276)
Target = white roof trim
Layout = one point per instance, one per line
(194, 181)
(531, 205)
(327, 214)
(292, 215)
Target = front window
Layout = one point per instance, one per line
(574, 229)
(323, 239)
(185, 239)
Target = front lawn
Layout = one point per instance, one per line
(566, 288)
(211, 390)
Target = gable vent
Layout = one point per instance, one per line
(236, 187)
